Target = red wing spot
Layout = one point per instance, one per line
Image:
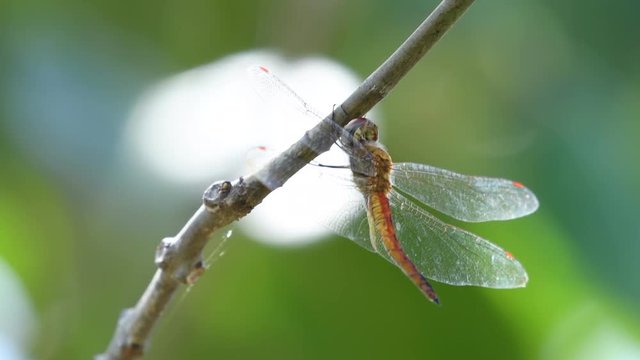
(262, 148)
(264, 69)
(509, 255)
(518, 185)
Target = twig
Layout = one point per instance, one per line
(179, 259)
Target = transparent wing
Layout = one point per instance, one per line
(441, 252)
(466, 198)
(276, 93)
(351, 221)
(273, 90)
(451, 255)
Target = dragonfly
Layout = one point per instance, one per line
(389, 214)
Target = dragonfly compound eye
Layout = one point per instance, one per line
(370, 133)
(362, 129)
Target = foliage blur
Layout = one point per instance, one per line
(545, 92)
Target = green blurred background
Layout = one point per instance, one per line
(546, 92)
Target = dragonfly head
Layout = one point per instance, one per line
(361, 130)
(358, 134)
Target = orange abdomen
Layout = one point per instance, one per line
(383, 226)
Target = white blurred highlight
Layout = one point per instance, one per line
(299, 208)
(590, 332)
(203, 124)
(17, 318)
(609, 341)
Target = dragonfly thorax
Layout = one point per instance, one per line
(372, 173)
(369, 162)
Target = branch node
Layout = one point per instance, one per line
(189, 273)
(215, 194)
(132, 350)
(163, 255)
(196, 272)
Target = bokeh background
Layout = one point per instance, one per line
(545, 92)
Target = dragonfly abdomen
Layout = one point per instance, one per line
(384, 228)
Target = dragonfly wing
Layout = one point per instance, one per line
(351, 221)
(466, 198)
(451, 255)
(273, 90)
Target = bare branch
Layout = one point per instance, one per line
(179, 259)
